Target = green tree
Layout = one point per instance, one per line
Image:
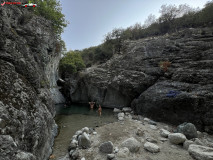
(51, 10)
(71, 63)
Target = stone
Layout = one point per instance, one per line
(78, 133)
(198, 142)
(83, 158)
(152, 122)
(2, 123)
(200, 152)
(85, 129)
(123, 152)
(188, 129)
(73, 144)
(177, 138)
(163, 139)
(116, 150)
(75, 155)
(106, 147)
(187, 143)
(132, 144)
(146, 119)
(164, 133)
(152, 140)
(84, 141)
(25, 156)
(120, 118)
(199, 134)
(140, 132)
(153, 148)
(120, 114)
(110, 156)
(116, 110)
(153, 127)
(126, 109)
(94, 133)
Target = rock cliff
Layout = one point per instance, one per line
(28, 73)
(168, 78)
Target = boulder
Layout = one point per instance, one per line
(177, 138)
(84, 141)
(120, 114)
(73, 144)
(187, 143)
(132, 144)
(110, 156)
(116, 110)
(85, 129)
(164, 133)
(126, 109)
(75, 154)
(152, 122)
(123, 152)
(153, 148)
(78, 133)
(106, 147)
(200, 152)
(188, 129)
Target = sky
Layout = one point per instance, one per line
(90, 20)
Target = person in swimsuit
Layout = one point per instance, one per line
(91, 105)
(99, 110)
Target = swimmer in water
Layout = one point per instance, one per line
(91, 105)
(99, 110)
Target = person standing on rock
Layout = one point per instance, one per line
(91, 105)
(99, 110)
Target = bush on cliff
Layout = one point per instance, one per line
(51, 10)
(71, 63)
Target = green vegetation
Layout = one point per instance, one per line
(172, 19)
(71, 63)
(51, 10)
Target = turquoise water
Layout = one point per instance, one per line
(74, 117)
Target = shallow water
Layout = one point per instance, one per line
(73, 118)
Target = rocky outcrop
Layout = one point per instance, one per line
(167, 78)
(28, 67)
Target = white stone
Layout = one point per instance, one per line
(200, 152)
(177, 138)
(85, 129)
(164, 133)
(153, 148)
(146, 119)
(126, 109)
(116, 110)
(120, 118)
(78, 132)
(94, 133)
(120, 114)
(83, 158)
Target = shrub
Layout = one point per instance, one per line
(71, 63)
(51, 10)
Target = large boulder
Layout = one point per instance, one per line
(132, 144)
(84, 141)
(188, 129)
(200, 152)
(177, 138)
(106, 147)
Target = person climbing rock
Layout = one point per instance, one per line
(91, 105)
(99, 110)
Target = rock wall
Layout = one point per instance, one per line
(28, 70)
(137, 78)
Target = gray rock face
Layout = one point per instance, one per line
(106, 147)
(28, 63)
(135, 77)
(177, 138)
(188, 129)
(200, 152)
(132, 144)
